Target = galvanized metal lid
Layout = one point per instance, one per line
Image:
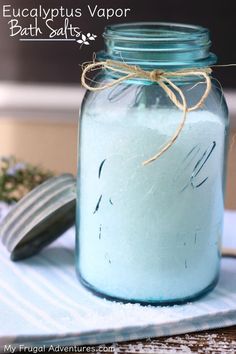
(40, 217)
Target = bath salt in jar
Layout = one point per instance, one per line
(149, 227)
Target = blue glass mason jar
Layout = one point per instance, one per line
(151, 234)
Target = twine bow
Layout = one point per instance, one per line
(162, 78)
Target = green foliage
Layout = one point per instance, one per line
(18, 178)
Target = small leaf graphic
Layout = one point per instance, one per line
(92, 39)
(86, 42)
(94, 35)
(88, 35)
(79, 41)
(84, 37)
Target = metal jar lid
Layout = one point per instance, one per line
(40, 217)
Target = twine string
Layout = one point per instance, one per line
(162, 78)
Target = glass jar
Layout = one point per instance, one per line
(151, 234)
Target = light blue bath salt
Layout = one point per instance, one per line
(150, 233)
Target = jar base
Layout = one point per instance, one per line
(181, 301)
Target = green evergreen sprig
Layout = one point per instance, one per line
(18, 178)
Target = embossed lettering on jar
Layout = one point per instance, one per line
(151, 234)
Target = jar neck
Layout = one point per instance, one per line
(154, 45)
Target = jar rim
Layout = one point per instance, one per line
(163, 45)
(156, 31)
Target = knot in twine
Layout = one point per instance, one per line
(155, 75)
(162, 78)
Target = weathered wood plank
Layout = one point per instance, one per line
(214, 341)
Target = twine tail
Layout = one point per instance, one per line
(175, 136)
